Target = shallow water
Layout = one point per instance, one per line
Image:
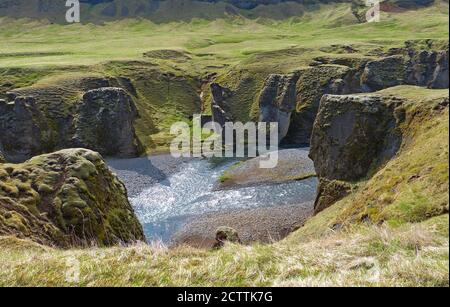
(166, 206)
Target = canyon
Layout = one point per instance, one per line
(85, 131)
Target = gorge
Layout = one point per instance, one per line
(86, 112)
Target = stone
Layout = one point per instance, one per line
(329, 192)
(21, 126)
(226, 234)
(354, 133)
(220, 108)
(383, 73)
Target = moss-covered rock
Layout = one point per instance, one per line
(67, 198)
(226, 234)
(67, 112)
(329, 192)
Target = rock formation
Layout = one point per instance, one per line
(352, 135)
(42, 120)
(421, 63)
(105, 123)
(278, 100)
(67, 198)
(20, 129)
(220, 109)
(312, 84)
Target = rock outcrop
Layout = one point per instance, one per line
(421, 63)
(415, 67)
(220, 108)
(105, 123)
(353, 135)
(278, 100)
(44, 119)
(312, 84)
(67, 198)
(20, 128)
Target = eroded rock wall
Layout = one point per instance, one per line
(105, 123)
(41, 120)
(353, 135)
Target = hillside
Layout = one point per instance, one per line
(97, 11)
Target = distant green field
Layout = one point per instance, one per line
(34, 43)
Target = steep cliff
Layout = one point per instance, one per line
(364, 138)
(45, 118)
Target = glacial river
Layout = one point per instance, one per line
(167, 194)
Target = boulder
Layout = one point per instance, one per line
(65, 199)
(278, 100)
(226, 234)
(105, 123)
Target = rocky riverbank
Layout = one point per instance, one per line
(264, 225)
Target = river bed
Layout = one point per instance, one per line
(168, 194)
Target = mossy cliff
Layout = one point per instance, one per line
(387, 151)
(67, 198)
(290, 93)
(71, 111)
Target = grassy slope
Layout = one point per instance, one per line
(410, 249)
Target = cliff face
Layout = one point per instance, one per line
(105, 123)
(67, 198)
(278, 100)
(44, 119)
(420, 63)
(355, 135)
(351, 136)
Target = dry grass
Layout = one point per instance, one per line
(412, 255)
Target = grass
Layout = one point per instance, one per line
(413, 255)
